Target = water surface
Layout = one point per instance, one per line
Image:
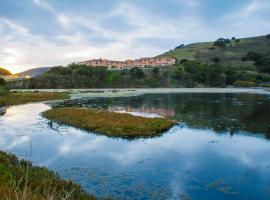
(219, 151)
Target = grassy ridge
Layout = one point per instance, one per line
(16, 98)
(21, 180)
(109, 123)
(231, 55)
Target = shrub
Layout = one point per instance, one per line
(221, 42)
(240, 83)
(136, 72)
(215, 60)
(179, 47)
(2, 82)
(156, 70)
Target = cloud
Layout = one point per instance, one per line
(58, 32)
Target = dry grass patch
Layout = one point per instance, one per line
(16, 98)
(109, 123)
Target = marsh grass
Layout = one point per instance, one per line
(19, 180)
(109, 123)
(16, 98)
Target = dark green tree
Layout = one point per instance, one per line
(136, 73)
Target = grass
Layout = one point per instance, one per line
(109, 123)
(230, 56)
(16, 98)
(19, 180)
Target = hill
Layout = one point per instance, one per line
(4, 72)
(230, 54)
(34, 72)
(224, 62)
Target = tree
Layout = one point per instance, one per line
(233, 38)
(221, 42)
(179, 47)
(136, 72)
(215, 60)
(268, 36)
(156, 70)
(2, 82)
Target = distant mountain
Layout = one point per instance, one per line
(227, 52)
(4, 72)
(34, 72)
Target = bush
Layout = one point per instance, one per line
(2, 82)
(215, 60)
(221, 42)
(3, 91)
(156, 70)
(240, 83)
(136, 72)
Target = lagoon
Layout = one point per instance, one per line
(219, 150)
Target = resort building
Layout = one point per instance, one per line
(142, 62)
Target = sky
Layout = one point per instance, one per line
(43, 33)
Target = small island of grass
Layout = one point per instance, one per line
(109, 123)
(16, 98)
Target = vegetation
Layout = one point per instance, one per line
(3, 88)
(185, 73)
(21, 180)
(221, 63)
(221, 42)
(109, 123)
(4, 72)
(230, 54)
(16, 98)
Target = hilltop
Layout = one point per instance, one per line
(4, 72)
(230, 54)
(34, 72)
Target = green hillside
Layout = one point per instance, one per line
(229, 55)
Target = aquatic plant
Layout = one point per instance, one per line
(109, 123)
(16, 98)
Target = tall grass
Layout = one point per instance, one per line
(19, 180)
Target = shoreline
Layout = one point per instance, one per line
(125, 92)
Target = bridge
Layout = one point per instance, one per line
(17, 82)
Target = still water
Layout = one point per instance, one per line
(220, 150)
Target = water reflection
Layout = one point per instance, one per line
(185, 162)
(221, 112)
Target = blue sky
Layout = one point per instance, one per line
(35, 33)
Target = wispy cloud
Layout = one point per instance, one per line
(38, 33)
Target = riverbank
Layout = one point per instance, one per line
(20, 180)
(17, 98)
(109, 123)
(121, 92)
